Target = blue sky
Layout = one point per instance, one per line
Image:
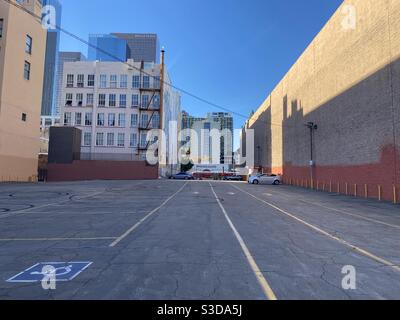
(231, 52)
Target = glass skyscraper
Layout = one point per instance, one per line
(141, 46)
(49, 96)
(105, 47)
(123, 46)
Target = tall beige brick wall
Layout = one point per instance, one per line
(348, 82)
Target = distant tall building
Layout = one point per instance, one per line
(22, 56)
(107, 48)
(141, 47)
(223, 122)
(62, 58)
(51, 62)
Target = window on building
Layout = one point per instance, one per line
(207, 126)
(79, 99)
(102, 100)
(145, 101)
(70, 80)
(111, 119)
(78, 119)
(68, 99)
(155, 121)
(100, 119)
(113, 81)
(88, 119)
(24, 117)
(1, 27)
(90, 99)
(121, 139)
(110, 139)
(27, 70)
(100, 139)
(144, 121)
(133, 140)
(103, 81)
(123, 82)
(28, 44)
(143, 140)
(122, 100)
(146, 82)
(156, 82)
(135, 100)
(136, 82)
(80, 82)
(134, 120)
(121, 120)
(91, 79)
(112, 100)
(156, 101)
(67, 118)
(87, 139)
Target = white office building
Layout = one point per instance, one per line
(209, 139)
(116, 105)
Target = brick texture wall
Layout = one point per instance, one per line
(348, 83)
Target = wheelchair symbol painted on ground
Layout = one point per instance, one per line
(62, 271)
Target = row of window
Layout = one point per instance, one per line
(145, 102)
(113, 81)
(111, 139)
(112, 120)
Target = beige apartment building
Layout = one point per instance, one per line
(22, 53)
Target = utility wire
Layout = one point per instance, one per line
(74, 36)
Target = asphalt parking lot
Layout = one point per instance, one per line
(197, 240)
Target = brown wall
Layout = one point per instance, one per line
(347, 82)
(102, 170)
(19, 140)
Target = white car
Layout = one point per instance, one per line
(265, 179)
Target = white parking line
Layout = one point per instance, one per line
(352, 214)
(355, 215)
(134, 227)
(253, 264)
(327, 234)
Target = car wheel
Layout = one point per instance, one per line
(256, 182)
(277, 182)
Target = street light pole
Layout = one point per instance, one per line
(313, 127)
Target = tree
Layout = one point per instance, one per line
(185, 167)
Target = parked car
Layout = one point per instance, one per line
(265, 179)
(233, 178)
(182, 176)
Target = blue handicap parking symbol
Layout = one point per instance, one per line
(64, 271)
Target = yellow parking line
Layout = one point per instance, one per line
(327, 234)
(253, 264)
(56, 239)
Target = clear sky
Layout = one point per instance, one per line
(231, 52)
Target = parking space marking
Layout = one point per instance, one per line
(339, 211)
(327, 234)
(352, 214)
(14, 213)
(56, 239)
(135, 226)
(253, 264)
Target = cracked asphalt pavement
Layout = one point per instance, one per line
(203, 240)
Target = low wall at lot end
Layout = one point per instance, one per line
(102, 170)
